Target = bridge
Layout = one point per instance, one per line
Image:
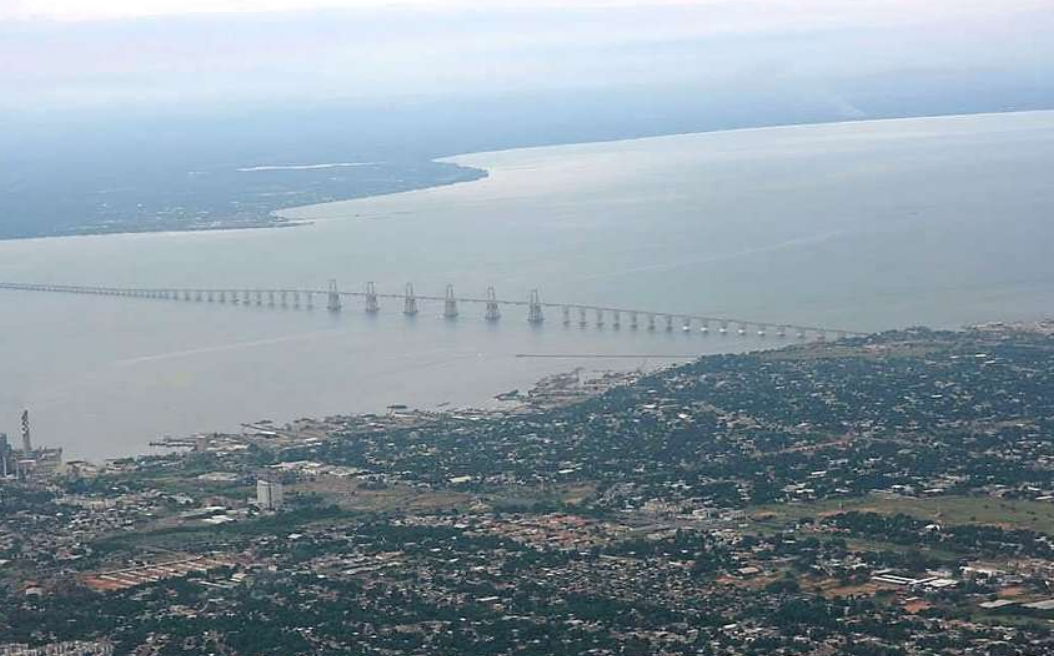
(493, 308)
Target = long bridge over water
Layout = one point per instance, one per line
(493, 308)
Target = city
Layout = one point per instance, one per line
(886, 495)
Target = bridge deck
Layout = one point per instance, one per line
(281, 296)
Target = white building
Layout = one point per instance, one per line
(269, 495)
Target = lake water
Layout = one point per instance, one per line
(864, 226)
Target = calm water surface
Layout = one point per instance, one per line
(864, 226)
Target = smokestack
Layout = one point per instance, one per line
(27, 444)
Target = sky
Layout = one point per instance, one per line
(115, 53)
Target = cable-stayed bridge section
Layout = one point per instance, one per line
(494, 308)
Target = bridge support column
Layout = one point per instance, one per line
(450, 304)
(534, 309)
(582, 317)
(651, 322)
(567, 315)
(493, 311)
(332, 297)
(372, 306)
(410, 301)
(633, 321)
(616, 320)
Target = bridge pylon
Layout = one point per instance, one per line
(599, 317)
(372, 306)
(493, 312)
(566, 315)
(651, 322)
(333, 303)
(450, 304)
(705, 328)
(633, 325)
(535, 316)
(616, 320)
(410, 301)
(582, 323)
(310, 304)
(669, 322)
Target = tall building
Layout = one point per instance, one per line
(269, 495)
(6, 461)
(27, 444)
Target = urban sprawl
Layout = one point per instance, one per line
(889, 495)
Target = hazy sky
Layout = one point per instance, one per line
(74, 53)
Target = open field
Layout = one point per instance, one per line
(1006, 513)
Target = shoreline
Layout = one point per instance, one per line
(278, 218)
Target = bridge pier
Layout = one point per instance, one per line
(633, 321)
(493, 312)
(372, 306)
(651, 322)
(582, 323)
(450, 304)
(410, 301)
(333, 303)
(687, 326)
(669, 322)
(600, 318)
(616, 321)
(534, 309)
(705, 328)
(567, 315)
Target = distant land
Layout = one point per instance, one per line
(228, 199)
(81, 174)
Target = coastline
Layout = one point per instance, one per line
(470, 163)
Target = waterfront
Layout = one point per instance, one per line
(864, 226)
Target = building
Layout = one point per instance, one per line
(7, 467)
(269, 495)
(27, 443)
